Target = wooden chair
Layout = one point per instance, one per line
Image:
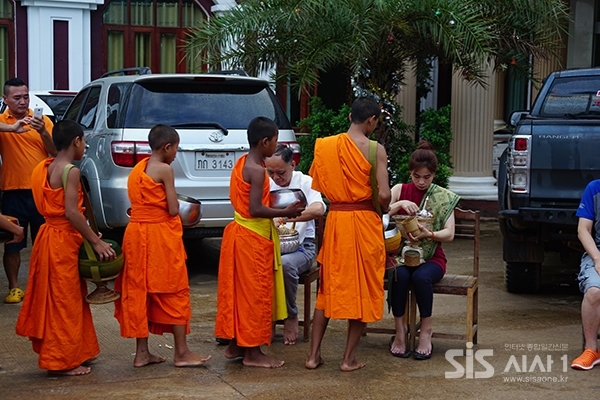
(307, 278)
(467, 227)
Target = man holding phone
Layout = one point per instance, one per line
(21, 152)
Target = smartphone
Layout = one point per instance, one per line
(38, 112)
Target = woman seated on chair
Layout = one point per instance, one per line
(409, 199)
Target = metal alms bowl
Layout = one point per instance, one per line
(289, 243)
(190, 210)
(282, 198)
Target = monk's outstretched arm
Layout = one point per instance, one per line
(257, 209)
(77, 220)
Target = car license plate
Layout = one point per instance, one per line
(214, 160)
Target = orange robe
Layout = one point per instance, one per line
(154, 287)
(54, 314)
(246, 277)
(353, 251)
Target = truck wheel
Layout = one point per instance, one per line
(523, 277)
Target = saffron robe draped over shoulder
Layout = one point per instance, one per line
(154, 287)
(247, 299)
(54, 314)
(353, 252)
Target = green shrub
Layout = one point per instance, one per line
(321, 122)
(397, 138)
(435, 127)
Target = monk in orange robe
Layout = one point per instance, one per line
(154, 287)
(353, 252)
(245, 306)
(54, 314)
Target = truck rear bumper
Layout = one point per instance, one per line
(554, 216)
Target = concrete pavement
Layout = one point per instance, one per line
(531, 332)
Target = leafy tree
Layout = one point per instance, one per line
(322, 122)
(377, 39)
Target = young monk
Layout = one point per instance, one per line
(248, 264)
(155, 293)
(54, 314)
(353, 252)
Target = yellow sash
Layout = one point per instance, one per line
(266, 228)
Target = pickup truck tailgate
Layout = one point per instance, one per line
(564, 158)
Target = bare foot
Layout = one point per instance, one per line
(190, 359)
(81, 370)
(254, 357)
(352, 366)
(143, 359)
(234, 351)
(290, 330)
(313, 363)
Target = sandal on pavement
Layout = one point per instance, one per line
(422, 356)
(406, 354)
(14, 296)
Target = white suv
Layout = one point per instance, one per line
(211, 113)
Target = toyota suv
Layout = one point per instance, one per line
(209, 111)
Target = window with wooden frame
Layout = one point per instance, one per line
(7, 38)
(150, 33)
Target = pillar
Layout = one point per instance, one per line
(407, 96)
(472, 118)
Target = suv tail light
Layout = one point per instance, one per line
(295, 148)
(128, 154)
(519, 163)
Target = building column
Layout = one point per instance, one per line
(472, 118)
(407, 95)
(41, 15)
(581, 34)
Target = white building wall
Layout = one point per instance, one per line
(40, 27)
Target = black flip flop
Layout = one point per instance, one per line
(406, 354)
(421, 356)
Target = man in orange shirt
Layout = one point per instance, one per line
(21, 153)
(353, 251)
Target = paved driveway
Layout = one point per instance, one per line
(526, 343)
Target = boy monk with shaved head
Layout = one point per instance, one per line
(155, 293)
(54, 314)
(250, 261)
